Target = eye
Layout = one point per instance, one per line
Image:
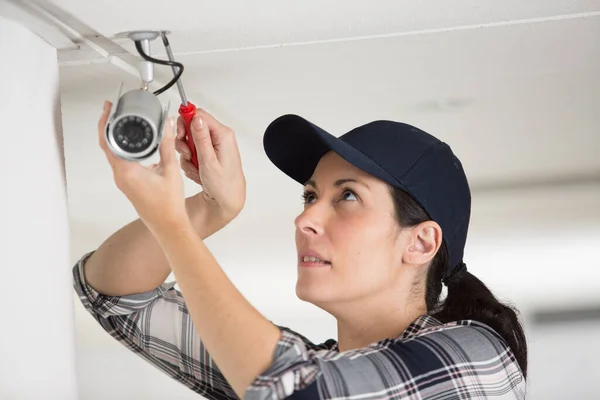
(308, 197)
(349, 195)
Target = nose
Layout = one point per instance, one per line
(311, 221)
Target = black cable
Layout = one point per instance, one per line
(165, 40)
(138, 46)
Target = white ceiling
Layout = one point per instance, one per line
(503, 96)
(514, 87)
(200, 25)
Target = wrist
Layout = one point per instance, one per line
(170, 225)
(205, 218)
(172, 236)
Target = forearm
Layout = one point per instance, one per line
(131, 260)
(240, 340)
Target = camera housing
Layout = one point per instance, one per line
(134, 129)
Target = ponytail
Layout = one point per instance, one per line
(470, 298)
(467, 297)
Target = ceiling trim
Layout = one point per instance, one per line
(566, 316)
(550, 182)
(103, 48)
(69, 58)
(22, 12)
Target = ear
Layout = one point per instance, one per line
(423, 243)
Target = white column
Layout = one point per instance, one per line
(37, 350)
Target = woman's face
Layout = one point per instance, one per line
(349, 244)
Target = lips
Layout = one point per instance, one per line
(312, 259)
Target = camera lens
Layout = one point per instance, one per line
(133, 134)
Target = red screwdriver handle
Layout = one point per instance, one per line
(187, 112)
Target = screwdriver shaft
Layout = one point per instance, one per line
(175, 70)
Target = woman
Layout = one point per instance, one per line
(384, 226)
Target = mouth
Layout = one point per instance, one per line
(313, 261)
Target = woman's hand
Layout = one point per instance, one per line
(220, 168)
(157, 191)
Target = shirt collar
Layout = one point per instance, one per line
(415, 327)
(419, 324)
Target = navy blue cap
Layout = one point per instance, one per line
(397, 153)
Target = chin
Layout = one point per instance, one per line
(329, 295)
(314, 292)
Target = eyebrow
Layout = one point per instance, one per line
(337, 183)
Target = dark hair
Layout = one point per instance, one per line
(468, 297)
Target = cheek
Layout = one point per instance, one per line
(366, 245)
(365, 262)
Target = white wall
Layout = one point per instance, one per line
(36, 307)
(564, 361)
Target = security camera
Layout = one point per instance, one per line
(135, 125)
(134, 129)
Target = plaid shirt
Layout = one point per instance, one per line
(430, 360)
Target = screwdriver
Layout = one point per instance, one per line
(187, 110)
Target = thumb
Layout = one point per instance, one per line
(167, 147)
(203, 141)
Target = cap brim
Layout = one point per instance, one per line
(296, 145)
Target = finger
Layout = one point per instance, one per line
(193, 177)
(186, 165)
(167, 147)
(190, 171)
(203, 141)
(180, 128)
(113, 160)
(155, 168)
(221, 135)
(183, 149)
(102, 125)
(217, 129)
(212, 122)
